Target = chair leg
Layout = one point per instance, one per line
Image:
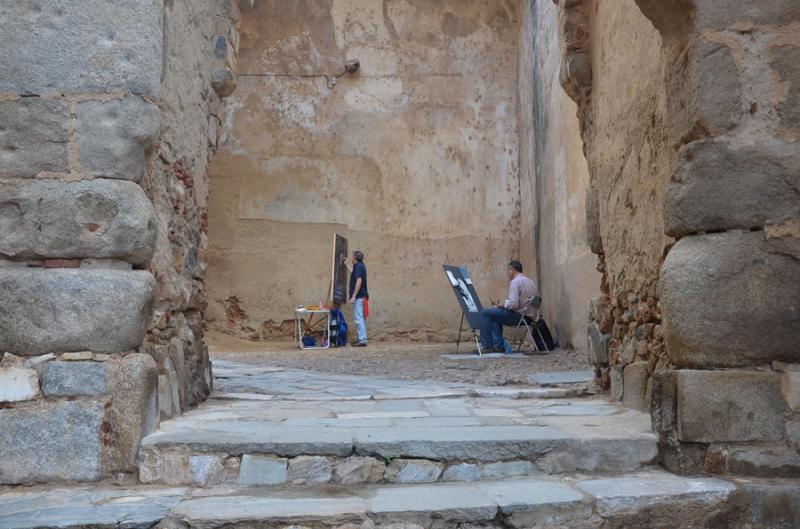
(527, 334)
(533, 340)
(520, 339)
(541, 337)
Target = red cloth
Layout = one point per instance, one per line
(366, 308)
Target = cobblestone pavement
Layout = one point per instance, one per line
(408, 361)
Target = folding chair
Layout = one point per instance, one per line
(531, 325)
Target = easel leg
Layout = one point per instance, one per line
(460, 328)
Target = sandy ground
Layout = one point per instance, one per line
(404, 361)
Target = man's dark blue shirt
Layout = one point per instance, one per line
(359, 270)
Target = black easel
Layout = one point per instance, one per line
(474, 335)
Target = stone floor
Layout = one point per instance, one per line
(415, 431)
(400, 361)
(283, 448)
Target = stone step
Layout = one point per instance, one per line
(638, 500)
(394, 441)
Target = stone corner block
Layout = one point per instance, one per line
(33, 137)
(663, 402)
(116, 136)
(634, 379)
(790, 387)
(761, 460)
(729, 301)
(87, 46)
(717, 86)
(729, 406)
(54, 310)
(18, 384)
(71, 379)
(103, 219)
(597, 343)
(134, 413)
(718, 186)
(786, 66)
(722, 14)
(60, 442)
(617, 382)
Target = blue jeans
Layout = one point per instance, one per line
(492, 321)
(360, 321)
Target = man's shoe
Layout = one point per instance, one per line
(359, 344)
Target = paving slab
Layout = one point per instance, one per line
(240, 437)
(616, 494)
(241, 396)
(487, 356)
(558, 378)
(526, 393)
(384, 415)
(450, 502)
(213, 512)
(524, 495)
(519, 502)
(458, 443)
(84, 506)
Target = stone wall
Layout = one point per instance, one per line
(414, 159)
(554, 180)
(691, 138)
(87, 217)
(200, 46)
(613, 67)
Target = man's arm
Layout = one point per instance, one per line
(347, 264)
(512, 303)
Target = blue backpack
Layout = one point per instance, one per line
(338, 328)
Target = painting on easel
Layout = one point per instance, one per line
(467, 297)
(338, 291)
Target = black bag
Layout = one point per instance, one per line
(544, 334)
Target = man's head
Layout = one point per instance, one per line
(358, 256)
(514, 269)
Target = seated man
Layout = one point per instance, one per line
(520, 291)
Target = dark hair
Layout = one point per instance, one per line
(359, 255)
(516, 265)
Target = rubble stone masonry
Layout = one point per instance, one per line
(108, 116)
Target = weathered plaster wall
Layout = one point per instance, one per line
(414, 159)
(554, 179)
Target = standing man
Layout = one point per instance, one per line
(521, 291)
(359, 297)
